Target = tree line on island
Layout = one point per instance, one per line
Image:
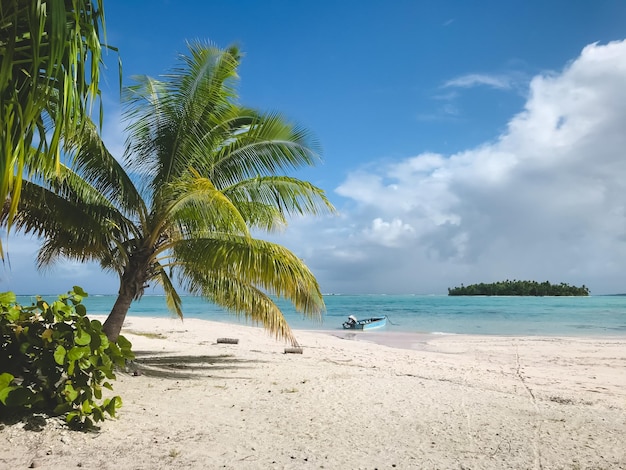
(521, 288)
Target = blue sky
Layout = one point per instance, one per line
(462, 141)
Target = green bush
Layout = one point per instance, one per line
(54, 360)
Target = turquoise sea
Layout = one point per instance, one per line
(518, 316)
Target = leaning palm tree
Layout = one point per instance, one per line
(200, 174)
(51, 53)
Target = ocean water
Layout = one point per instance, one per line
(517, 316)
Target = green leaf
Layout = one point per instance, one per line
(5, 386)
(77, 353)
(123, 343)
(114, 351)
(62, 408)
(13, 314)
(4, 393)
(19, 397)
(63, 330)
(95, 361)
(59, 355)
(73, 417)
(81, 337)
(98, 415)
(7, 298)
(70, 392)
(5, 380)
(107, 363)
(125, 348)
(96, 341)
(78, 290)
(112, 405)
(86, 407)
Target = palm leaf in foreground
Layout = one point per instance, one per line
(49, 76)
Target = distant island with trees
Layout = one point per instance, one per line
(522, 288)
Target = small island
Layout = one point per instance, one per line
(522, 288)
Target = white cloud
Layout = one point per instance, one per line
(546, 200)
(501, 82)
(388, 233)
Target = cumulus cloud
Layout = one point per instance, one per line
(388, 233)
(546, 200)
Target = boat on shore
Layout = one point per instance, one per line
(366, 324)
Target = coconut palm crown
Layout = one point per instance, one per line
(199, 173)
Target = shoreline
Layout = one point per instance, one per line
(454, 401)
(418, 340)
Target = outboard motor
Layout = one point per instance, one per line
(350, 322)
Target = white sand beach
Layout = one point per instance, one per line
(436, 402)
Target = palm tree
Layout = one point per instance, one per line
(201, 172)
(51, 53)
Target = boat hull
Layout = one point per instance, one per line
(366, 324)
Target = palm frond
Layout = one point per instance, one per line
(196, 207)
(172, 299)
(287, 195)
(266, 146)
(100, 168)
(242, 299)
(148, 118)
(269, 266)
(76, 221)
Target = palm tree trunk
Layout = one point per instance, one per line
(132, 285)
(113, 324)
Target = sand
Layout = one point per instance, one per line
(435, 402)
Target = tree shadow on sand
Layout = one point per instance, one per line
(153, 364)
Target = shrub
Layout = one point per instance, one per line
(53, 359)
